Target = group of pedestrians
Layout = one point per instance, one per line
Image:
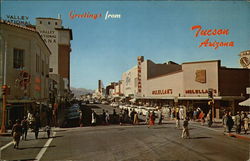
(20, 128)
(241, 122)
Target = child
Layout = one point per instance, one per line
(48, 129)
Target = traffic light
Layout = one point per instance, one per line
(210, 93)
(3, 91)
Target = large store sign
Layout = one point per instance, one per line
(162, 92)
(200, 76)
(139, 61)
(198, 91)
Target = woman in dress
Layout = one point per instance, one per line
(151, 119)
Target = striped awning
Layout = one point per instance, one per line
(245, 103)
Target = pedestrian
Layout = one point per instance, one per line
(245, 123)
(202, 116)
(107, 117)
(151, 119)
(238, 122)
(132, 115)
(185, 131)
(209, 119)
(16, 133)
(195, 114)
(181, 113)
(224, 121)
(230, 122)
(48, 130)
(93, 121)
(121, 114)
(160, 117)
(103, 116)
(10, 124)
(80, 118)
(37, 125)
(147, 117)
(177, 121)
(24, 124)
(114, 116)
(136, 119)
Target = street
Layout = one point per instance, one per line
(130, 142)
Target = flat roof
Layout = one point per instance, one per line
(49, 18)
(196, 62)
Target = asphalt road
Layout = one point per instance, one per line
(114, 142)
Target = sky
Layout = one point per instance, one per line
(158, 30)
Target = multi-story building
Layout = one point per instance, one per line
(27, 69)
(58, 40)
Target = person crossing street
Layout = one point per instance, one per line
(16, 133)
(185, 131)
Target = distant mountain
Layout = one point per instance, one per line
(80, 91)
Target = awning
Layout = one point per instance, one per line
(21, 101)
(245, 103)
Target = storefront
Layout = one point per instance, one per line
(195, 85)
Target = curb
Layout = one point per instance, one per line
(238, 136)
(5, 134)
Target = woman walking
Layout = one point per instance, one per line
(151, 119)
(93, 121)
(16, 133)
(245, 122)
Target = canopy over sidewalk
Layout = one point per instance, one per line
(245, 103)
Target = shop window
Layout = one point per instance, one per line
(18, 59)
(50, 69)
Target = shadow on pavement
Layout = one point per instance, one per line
(59, 130)
(51, 137)
(201, 137)
(26, 159)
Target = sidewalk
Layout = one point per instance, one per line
(217, 126)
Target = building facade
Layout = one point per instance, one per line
(58, 40)
(188, 85)
(27, 69)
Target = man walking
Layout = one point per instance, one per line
(160, 117)
(185, 131)
(238, 122)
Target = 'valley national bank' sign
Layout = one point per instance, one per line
(16, 19)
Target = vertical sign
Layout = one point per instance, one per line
(139, 61)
